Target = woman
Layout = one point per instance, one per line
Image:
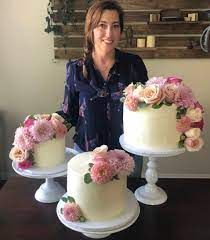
(94, 84)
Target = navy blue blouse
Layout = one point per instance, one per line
(93, 104)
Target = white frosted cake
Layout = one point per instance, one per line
(97, 184)
(40, 142)
(162, 115)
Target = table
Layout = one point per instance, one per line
(185, 215)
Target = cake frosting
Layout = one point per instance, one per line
(162, 115)
(97, 183)
(40, 141)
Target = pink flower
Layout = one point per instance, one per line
(129, 89)
(71, 212)
(28, 121)
(174, 80)
(193, 144)
(185, 97)
(59, 127)
(42, 130)
(17, 154)
(160, 81)
(198, 105)
(121, 161)
(183, 124)
(195, 114)
(23, 139)
(170, 92)
(198, 124)
(101, 172)
(131, 102)
(153, 94)
(25, 164)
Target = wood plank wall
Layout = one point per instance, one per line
(178, 39)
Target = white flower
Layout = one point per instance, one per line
(195, 114)
(193, 133)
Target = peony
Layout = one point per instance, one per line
(152, 94)
(23, 139)
(170, 92)
(131, 102)
(185, 97)
(101, 172)
(183, 124)
(129, 89)
(160, 81)
(42, 130)
(59, 127)
(195, 114)
(193, 144)
(58, 117)
(71, 212)
(137, 93)
(193, 133)
(174, 80)
(121, 162)
(25, 164)
(17, 154)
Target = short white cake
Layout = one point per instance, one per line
(50, 153)
(98, 202)
(151, 129)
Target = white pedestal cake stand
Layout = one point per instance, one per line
(50, 191)
(150, 193)
(102, 229)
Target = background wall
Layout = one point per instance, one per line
(31, 81)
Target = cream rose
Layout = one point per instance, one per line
(170, 92)
(193, 133)
(17, 154)
(195, 114)
(101, 149)
(193, 144)
(138, 93)
(153, 94)
(58, 117)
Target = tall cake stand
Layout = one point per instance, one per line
(50, 191)
(150, 193)
(102, 229)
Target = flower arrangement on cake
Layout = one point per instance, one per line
(108, 165)
(159, 91)
(35, 129)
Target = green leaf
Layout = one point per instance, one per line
(61, 210)
(82, 219)
(157, 106)
(142, 104)
(87, 178)
(181, 144)
(64, 199)
(71, 199)
(116, 177)
(90, 165)
(178, 115)
(168, 104)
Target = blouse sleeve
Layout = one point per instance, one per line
(140, 71)
(70, 106)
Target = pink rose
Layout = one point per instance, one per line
(59, 127)
(174, 80)
(17, 154)
(71, 212)
(160, 81)
(183, 124)
(25, 164)
(131, 102)
(195, 114)
(28, 121)
(101, 172)
(193, 144)
(170, 92)
(153, 94)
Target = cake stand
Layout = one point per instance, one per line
(102, 229)
(50, 191)
(150, 193)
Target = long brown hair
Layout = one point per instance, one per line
(92, 19)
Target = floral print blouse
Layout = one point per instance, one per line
(93, 104)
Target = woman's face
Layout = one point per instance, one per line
(107, 34)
